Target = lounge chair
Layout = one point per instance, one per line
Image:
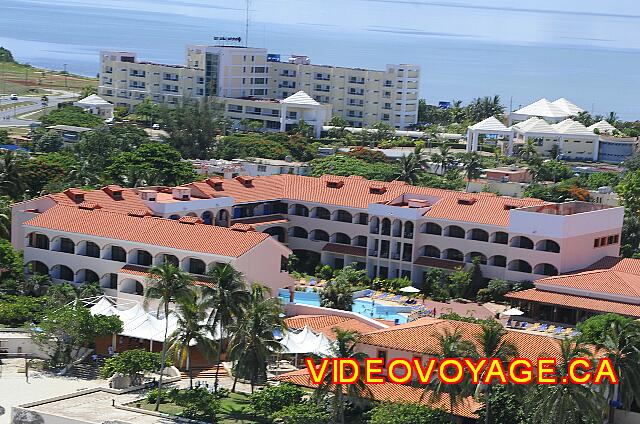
(551, 329)
(312, 283)
(574, 333)
(368, 293)
(543, 327)
(524, 325)
(395, 298)
(384, 295)
(403, 299)
(377, 294)
(559, 330)
(509, 323)
(534, 327)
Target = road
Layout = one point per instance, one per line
(10, 117)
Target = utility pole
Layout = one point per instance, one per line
(65, 75)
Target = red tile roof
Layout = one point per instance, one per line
(130, 199)
(395, 393)
(438, 263)
(149, 230)
(420, 336)
(610, 275)
(577, 302)
(355, 192)
(326, 324)
(141, 271)
(345, 249)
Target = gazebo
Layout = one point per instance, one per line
(491, 126)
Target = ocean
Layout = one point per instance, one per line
(465, 50)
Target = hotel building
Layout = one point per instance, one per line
(363, 97)
(390, 229)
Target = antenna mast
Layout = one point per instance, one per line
(246, 26)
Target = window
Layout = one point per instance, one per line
(67, 245)
(92, 250)
(262, 168)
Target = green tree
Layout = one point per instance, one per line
(6, 56)
(596, 329)
(66, 293)
(449, 344)
(383, 131)
(12, 174)
(166, 284)
(472, 165)
(36, 284)
(71, 115)
(491, 343)
(148, 112)
(272, 399)
(345, 165)
(602, 179)
(133, 363)
(403, 413)
(253, 340)
(458, 282)
(228, 296)
(337, 294)
(303, 413)
(191, 329)
(88, 90)
(411, 166)
(20, 311)
(63, 331)
(51, 141)
(11, 262)
(567, 403)
(476, 280)
(432, 280)
(343, 347)
(193, 126)
(508, 407)
(152, 163)
(528, 150)
(443, 158)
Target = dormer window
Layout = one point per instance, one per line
(335, 183)
(509, 207)
(245, 180)
(78, 197)
(466, 200)
(117, 195)
(377, 189)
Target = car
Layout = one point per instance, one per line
(155, 126)
(13, 97)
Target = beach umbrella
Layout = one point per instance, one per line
(409, 289)
(513, 312)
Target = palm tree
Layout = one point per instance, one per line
(253, 338)
(166, 283)
(12, 181)
(450, 344)
(5, 217)
(443, 158)
(191, 329)
(343, 347)
(491, 343)
(568, 403)
(228, 297)
(622, 347)
(472, 165)
(37, 284)
(410, 166)
(528, 150)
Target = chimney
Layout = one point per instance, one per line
(245, 180)
(114, 191)
(216, 183)
(181, 193)
(75, 194)
(148, 195)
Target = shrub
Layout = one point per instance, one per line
(198, 404)
(401, 413)
(302, 413)
(152, 396)
(273, 398)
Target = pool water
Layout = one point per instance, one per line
(365, 307)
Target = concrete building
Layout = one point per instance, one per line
(552, 112)
(507, 181)
(617, 149)
(96, 105)
(69, 133)
(254, 167)
(390, 229)
(361, 96)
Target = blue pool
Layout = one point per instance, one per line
(361, 306)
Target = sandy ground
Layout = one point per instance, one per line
(14, 389)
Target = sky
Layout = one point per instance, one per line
(599, 24)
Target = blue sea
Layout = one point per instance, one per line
(585, 50)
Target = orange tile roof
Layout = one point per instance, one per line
(345, 249)
(420, 337)
(577, 302)
(395, 393)
(141, 271)
(149, 230)
(438, 263)
(610, 275)
(355, 192)
(130, 199)
(326, 324)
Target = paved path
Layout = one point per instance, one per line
(11, 117)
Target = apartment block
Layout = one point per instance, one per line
(363, 97)
(391, 229)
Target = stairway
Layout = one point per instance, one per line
(201, 372)
(87, 369)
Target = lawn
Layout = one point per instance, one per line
(15, 104)
(235, 410)
(23, 79)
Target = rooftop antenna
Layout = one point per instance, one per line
(246, 26)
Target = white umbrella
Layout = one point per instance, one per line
(409, 289)
(513, 312)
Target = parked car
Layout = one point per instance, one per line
(155, 126)
(13, 97)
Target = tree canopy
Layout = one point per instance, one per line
(71, 115)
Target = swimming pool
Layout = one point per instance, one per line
(365, 307)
